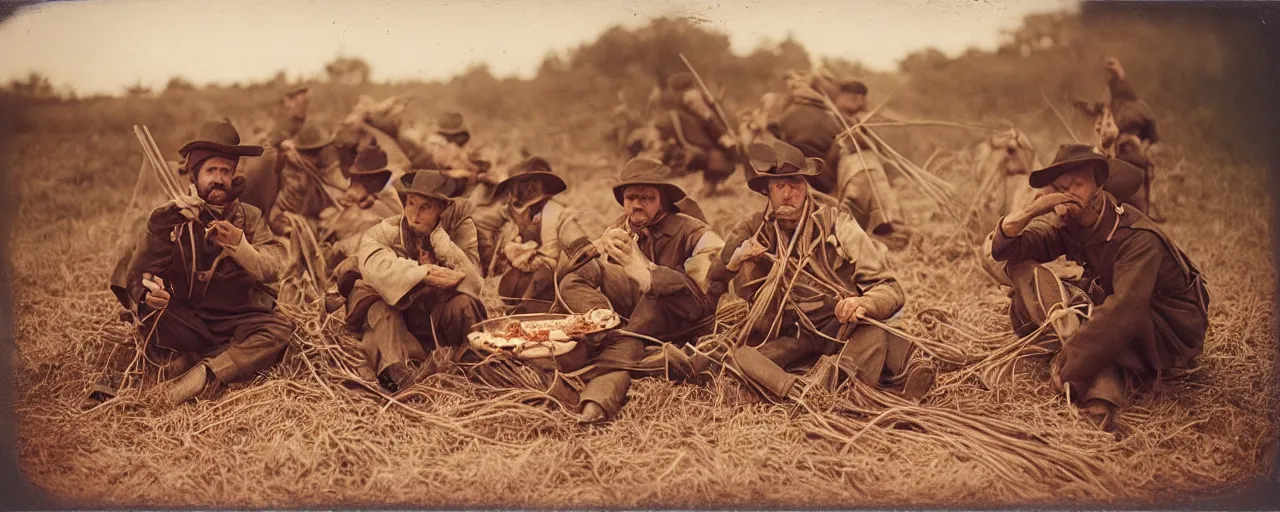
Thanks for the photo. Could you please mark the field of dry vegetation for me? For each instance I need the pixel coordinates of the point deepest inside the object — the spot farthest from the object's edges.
(302, 435)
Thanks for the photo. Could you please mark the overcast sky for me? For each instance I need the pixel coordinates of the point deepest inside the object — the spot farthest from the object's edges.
(105, 45)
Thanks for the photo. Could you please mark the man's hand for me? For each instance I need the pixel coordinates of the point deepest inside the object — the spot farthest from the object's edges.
(443, 277)
(611, 234)
(750, 250)
(176, 211)
(1045, 202)
(626, 254)
(157, 297)
(519, 254)
(225, 233)
(727, 141)
(288, 145)
(850, 309)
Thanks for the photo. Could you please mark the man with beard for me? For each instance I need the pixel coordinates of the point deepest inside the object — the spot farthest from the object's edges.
(417, 289)
(199, 279)
(843, 276)
(539, 231)
(1150, 303)
(650, 266)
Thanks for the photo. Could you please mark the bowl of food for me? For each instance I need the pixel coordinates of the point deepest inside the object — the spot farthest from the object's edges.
(534, 336)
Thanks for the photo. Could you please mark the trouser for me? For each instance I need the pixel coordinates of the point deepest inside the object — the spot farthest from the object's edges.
(409, 332)
(528, 292)
(869, 353)
(864, 189)
(1036, 290)
(676, 318)
(236, 344)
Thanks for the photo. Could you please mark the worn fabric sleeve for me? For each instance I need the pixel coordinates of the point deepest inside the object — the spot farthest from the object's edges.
(272, 254)
(667, 281)
(389, 274)
(453, 256)
(882, 295)
(1122, 317)
(1040, 241)
(571, 235)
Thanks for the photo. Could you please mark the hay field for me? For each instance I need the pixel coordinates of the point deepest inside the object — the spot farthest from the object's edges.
(301, 435)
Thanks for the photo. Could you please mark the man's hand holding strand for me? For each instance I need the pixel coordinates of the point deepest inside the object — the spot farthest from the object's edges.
(749, 251)
(156, 297)
(850, 309)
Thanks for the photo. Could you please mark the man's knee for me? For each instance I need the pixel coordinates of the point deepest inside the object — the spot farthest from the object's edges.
(381, 314)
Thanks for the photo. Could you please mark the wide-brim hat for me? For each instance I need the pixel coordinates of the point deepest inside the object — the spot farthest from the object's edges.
(533, 168)
(312, 135)
(647, 171)
(432, 184)
(219, 136)
(777, 159)
(1070, 157)
(371, 161)
(451, 123)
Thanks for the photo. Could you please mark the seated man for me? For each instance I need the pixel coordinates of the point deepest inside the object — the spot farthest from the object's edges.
(651, 268)
(845, 277)
(862, 185)
(224, 302)
(538, 232)
(367, 200)
(417, 289)
(310, 179)
(1150, 309)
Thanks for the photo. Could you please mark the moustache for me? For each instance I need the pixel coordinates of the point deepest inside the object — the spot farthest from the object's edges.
(787, 210)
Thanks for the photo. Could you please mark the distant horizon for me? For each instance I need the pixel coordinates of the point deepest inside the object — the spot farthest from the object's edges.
(148, 42)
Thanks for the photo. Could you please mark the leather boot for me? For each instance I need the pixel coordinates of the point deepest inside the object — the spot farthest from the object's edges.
(187, 386)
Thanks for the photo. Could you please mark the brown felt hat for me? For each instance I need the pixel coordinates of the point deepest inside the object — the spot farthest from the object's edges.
(647, 171)
(219, 136)
(777, 159)
(430, 184)
(312, 135)
(533, 168)
(451, 123)
(371, 161)
(1122, 179)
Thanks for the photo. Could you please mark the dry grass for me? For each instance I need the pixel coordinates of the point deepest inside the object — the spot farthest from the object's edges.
(304, 434)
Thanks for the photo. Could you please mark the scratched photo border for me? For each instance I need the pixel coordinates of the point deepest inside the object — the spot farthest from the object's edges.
(1254, 18)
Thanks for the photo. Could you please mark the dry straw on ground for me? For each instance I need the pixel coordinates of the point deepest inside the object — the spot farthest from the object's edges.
(310, 432)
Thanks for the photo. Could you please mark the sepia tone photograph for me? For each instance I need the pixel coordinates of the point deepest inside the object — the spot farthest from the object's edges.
(686, 254)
